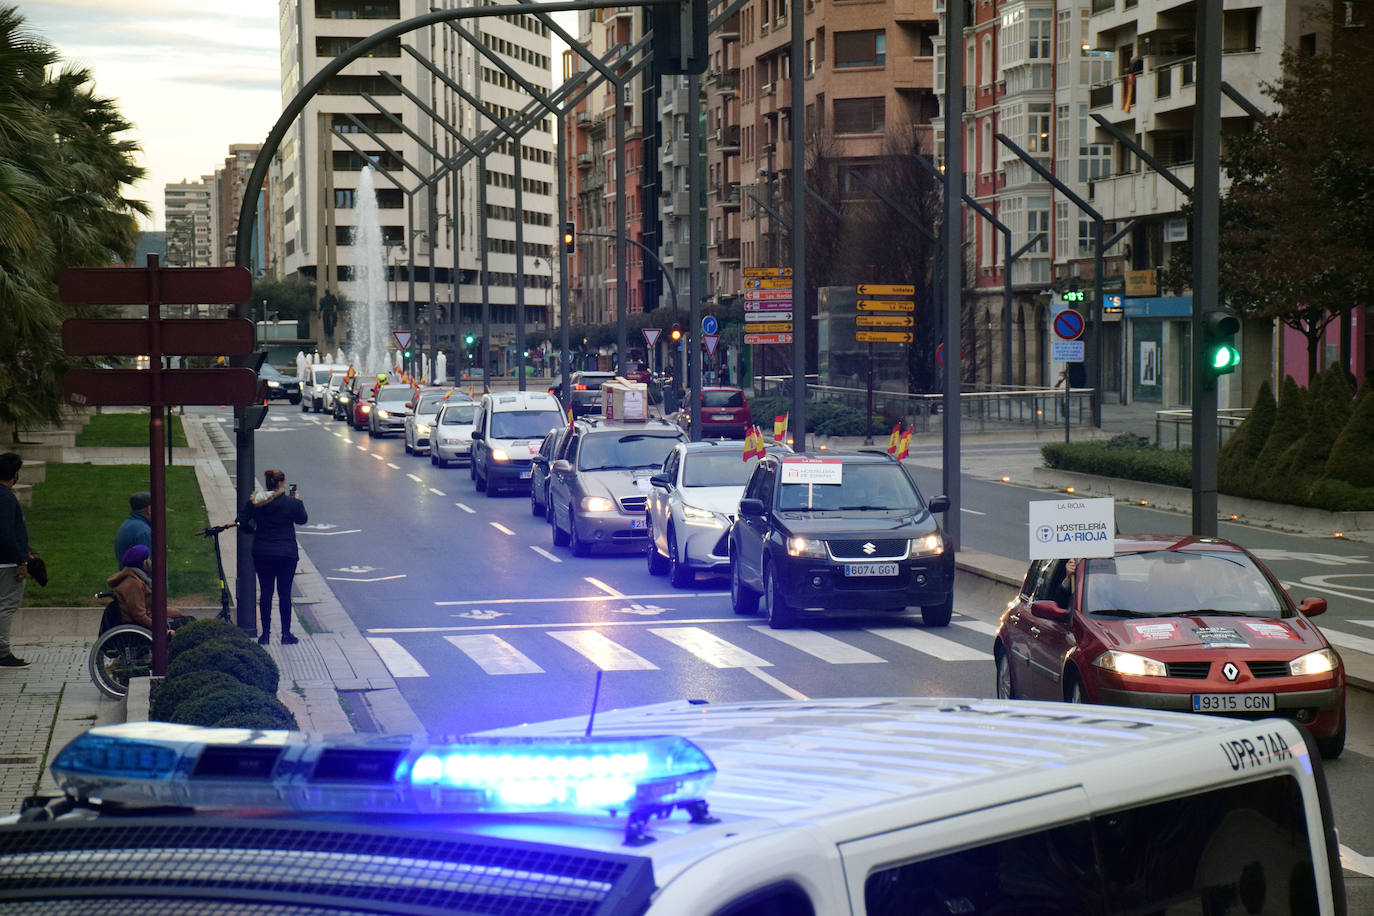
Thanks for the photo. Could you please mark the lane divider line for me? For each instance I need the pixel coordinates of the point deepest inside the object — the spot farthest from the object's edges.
(437, 492)
(468, 509)
(545, 554)
(597, 583)
(415, 478)
(597, 598)
(502, 528)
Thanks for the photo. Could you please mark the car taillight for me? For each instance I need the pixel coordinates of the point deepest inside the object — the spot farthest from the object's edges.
(579, 387)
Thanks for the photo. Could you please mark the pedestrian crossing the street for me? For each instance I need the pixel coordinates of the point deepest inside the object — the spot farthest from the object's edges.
(528, 650)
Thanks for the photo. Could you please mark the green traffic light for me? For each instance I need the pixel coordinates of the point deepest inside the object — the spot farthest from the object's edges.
(468, 340)
(1225, 358)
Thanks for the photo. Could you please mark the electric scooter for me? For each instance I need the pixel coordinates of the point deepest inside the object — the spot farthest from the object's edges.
(224, 598)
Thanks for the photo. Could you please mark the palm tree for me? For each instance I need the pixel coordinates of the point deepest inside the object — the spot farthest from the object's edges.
(63, 169)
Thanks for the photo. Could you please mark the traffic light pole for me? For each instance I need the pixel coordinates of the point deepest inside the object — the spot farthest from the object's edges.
(1206, 218)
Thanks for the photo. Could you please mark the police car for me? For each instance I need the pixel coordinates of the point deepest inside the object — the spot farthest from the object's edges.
(863, 806)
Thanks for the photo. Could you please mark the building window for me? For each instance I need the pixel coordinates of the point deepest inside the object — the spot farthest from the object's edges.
(810, 57)
(860, 49)
(1039, 36)
(343, 198)
(987, 68)
(1038, 220)
(859, 116)
(1038, 127)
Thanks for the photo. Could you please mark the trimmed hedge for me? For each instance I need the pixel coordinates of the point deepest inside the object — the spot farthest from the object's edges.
(235, 703)
(173, 691)
(1236, 465)
(823, 418)
(245, 660)
(1128, 461)
(198, 632)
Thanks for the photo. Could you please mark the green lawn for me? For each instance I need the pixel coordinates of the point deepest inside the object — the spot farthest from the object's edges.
(124, 430)
(72, 525)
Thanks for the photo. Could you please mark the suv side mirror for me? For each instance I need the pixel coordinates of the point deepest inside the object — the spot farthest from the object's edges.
(477, 434)
(751, 507)
(563, 466)
(1049, 610)
(939, 504)
(661, 480)
(1311, 607)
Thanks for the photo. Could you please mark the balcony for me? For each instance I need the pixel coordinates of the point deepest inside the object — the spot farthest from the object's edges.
(584, 118)
(914, 11)
(731, 199)
(1134, 194)
(682, 203)
(584, 160)
(729, 250)
(727, 139)
(910, 73)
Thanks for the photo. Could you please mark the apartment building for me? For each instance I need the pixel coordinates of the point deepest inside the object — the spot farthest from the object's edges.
(429, 204)
(191, 213)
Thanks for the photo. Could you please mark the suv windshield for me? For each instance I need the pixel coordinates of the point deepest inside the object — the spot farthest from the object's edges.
(609, 451)
(430, 403)
(1160, 583)
(864, 486)
(524, 424)
(721, 468)
(458, 415)
(397, 396)
(721, 399)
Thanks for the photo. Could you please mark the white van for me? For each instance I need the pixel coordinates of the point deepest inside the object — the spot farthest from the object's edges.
(506, 433)
(863, 806)
(315, 383)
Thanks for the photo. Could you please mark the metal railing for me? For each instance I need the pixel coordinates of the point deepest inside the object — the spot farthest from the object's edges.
(1228, 419)
(980, 408)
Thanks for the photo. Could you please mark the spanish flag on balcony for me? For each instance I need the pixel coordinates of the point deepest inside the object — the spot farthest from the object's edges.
(1128, 92)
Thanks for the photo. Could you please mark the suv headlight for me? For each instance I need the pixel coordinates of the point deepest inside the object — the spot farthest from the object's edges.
(1128, 663)
(597, 504)
(1319, 662)
(383, 413)
(806, 547)
(695, 515)
(499, 454)
(272, 384)
(928, 546)
(422, 429)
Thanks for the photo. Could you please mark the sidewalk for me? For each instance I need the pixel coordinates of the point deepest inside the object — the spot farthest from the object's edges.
(333, 680)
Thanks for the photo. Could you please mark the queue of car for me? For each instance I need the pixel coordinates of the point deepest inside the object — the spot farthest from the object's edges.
(1168, 623)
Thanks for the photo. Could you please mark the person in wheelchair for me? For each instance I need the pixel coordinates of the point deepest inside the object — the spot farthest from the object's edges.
(133, 590)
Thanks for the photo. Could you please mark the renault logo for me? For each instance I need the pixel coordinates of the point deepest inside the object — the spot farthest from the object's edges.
(1230, 671)
(869, 548)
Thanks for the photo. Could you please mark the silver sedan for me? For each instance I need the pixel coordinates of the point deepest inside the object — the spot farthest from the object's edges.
(692, 502)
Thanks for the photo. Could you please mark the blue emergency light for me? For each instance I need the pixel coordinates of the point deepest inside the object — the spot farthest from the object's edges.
(168, 764)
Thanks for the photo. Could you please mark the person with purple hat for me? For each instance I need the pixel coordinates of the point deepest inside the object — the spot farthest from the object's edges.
(133, 589)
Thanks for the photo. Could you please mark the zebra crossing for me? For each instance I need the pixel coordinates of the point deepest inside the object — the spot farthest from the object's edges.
(529, 650)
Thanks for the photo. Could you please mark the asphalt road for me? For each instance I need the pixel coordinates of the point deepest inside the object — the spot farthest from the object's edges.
(484, 623)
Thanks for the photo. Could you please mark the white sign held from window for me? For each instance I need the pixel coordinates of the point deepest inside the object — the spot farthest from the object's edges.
(1072, 527)
(812, 470)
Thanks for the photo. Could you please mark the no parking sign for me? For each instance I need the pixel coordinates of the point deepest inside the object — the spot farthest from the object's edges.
(1072, 527)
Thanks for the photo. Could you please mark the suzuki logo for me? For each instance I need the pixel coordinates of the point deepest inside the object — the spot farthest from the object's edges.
(1230, 671)
(869, 548)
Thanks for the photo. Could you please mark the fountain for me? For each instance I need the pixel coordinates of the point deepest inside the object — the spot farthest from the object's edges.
(371, 327)
(440, 368)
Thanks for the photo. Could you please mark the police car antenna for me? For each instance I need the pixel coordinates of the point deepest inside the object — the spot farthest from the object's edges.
(596, 696)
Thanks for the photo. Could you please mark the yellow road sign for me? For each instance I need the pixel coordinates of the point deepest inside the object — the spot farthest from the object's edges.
(768, 327)
(886, 305)
(884, 321)
(763, 283)
(768, 271)
(883, 336)
(879, 289)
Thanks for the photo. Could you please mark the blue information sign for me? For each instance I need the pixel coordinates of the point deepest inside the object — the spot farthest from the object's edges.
(709, 325)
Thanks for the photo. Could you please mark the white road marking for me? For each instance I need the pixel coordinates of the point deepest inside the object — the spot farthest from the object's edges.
(340, 436)
(329, 533)
(943, 649)
(378, 457)
(415, 477)
(710, 648)
(362, 448)
(494, 655)
(397, 660)
(826, 648)
(502, 528)
(280, 419)
(1349, 641)
(580, 598)
(394, 467)
(437, 492)
(602, 652)
(478, 614)
(545, 554)
(601, 624)
(1308, 583)
(971, 511)
(377, 579)
(597, 583)
(1355, 862)
(777, 685)
(978, 626)
(468, 509)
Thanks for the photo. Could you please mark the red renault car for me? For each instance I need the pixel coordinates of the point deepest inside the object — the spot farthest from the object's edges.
(1172, 622)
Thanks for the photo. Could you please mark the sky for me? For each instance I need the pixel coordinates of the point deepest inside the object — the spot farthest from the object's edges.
(192, 76)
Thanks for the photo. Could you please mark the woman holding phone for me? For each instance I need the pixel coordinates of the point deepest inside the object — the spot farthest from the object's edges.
(272, 515)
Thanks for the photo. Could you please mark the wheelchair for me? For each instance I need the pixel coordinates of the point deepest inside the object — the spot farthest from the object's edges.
(122, 651)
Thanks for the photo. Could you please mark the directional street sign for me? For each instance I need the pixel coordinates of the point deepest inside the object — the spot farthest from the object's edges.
(883, 336)
(710, 340)
(768, 271)
(885, 305)
(768, 338)
(769, 327)
(750, 318)
(177, 336)
(1068, 325)
(763, 295)
(776, 284)
(884, 321)
(174, 285)
(772, 305)
(880, 289)
(651, 335)
(709, 325)
(129, 387)
(402, 338)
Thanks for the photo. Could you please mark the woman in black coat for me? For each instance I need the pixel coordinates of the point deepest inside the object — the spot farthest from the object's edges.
(273, 515)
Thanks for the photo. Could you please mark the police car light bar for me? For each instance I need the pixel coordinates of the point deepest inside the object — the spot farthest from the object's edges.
(160, 763)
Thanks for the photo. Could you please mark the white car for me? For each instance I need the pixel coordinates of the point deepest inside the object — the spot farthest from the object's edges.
(421, 414)
(692, 503)
(451, 437)
(331, 393)
(315, 384)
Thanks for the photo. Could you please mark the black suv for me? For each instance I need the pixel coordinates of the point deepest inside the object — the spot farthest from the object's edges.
(280, 385)
(845, 531)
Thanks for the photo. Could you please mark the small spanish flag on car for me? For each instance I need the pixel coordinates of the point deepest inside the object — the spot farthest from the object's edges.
(780, 427)
(753, 443)
(895, 440)
(904, 446)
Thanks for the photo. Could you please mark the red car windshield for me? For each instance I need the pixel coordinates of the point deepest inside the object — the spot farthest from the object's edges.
(1165, 583)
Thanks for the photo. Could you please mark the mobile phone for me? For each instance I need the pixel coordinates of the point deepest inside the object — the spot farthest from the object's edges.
(293, 489)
